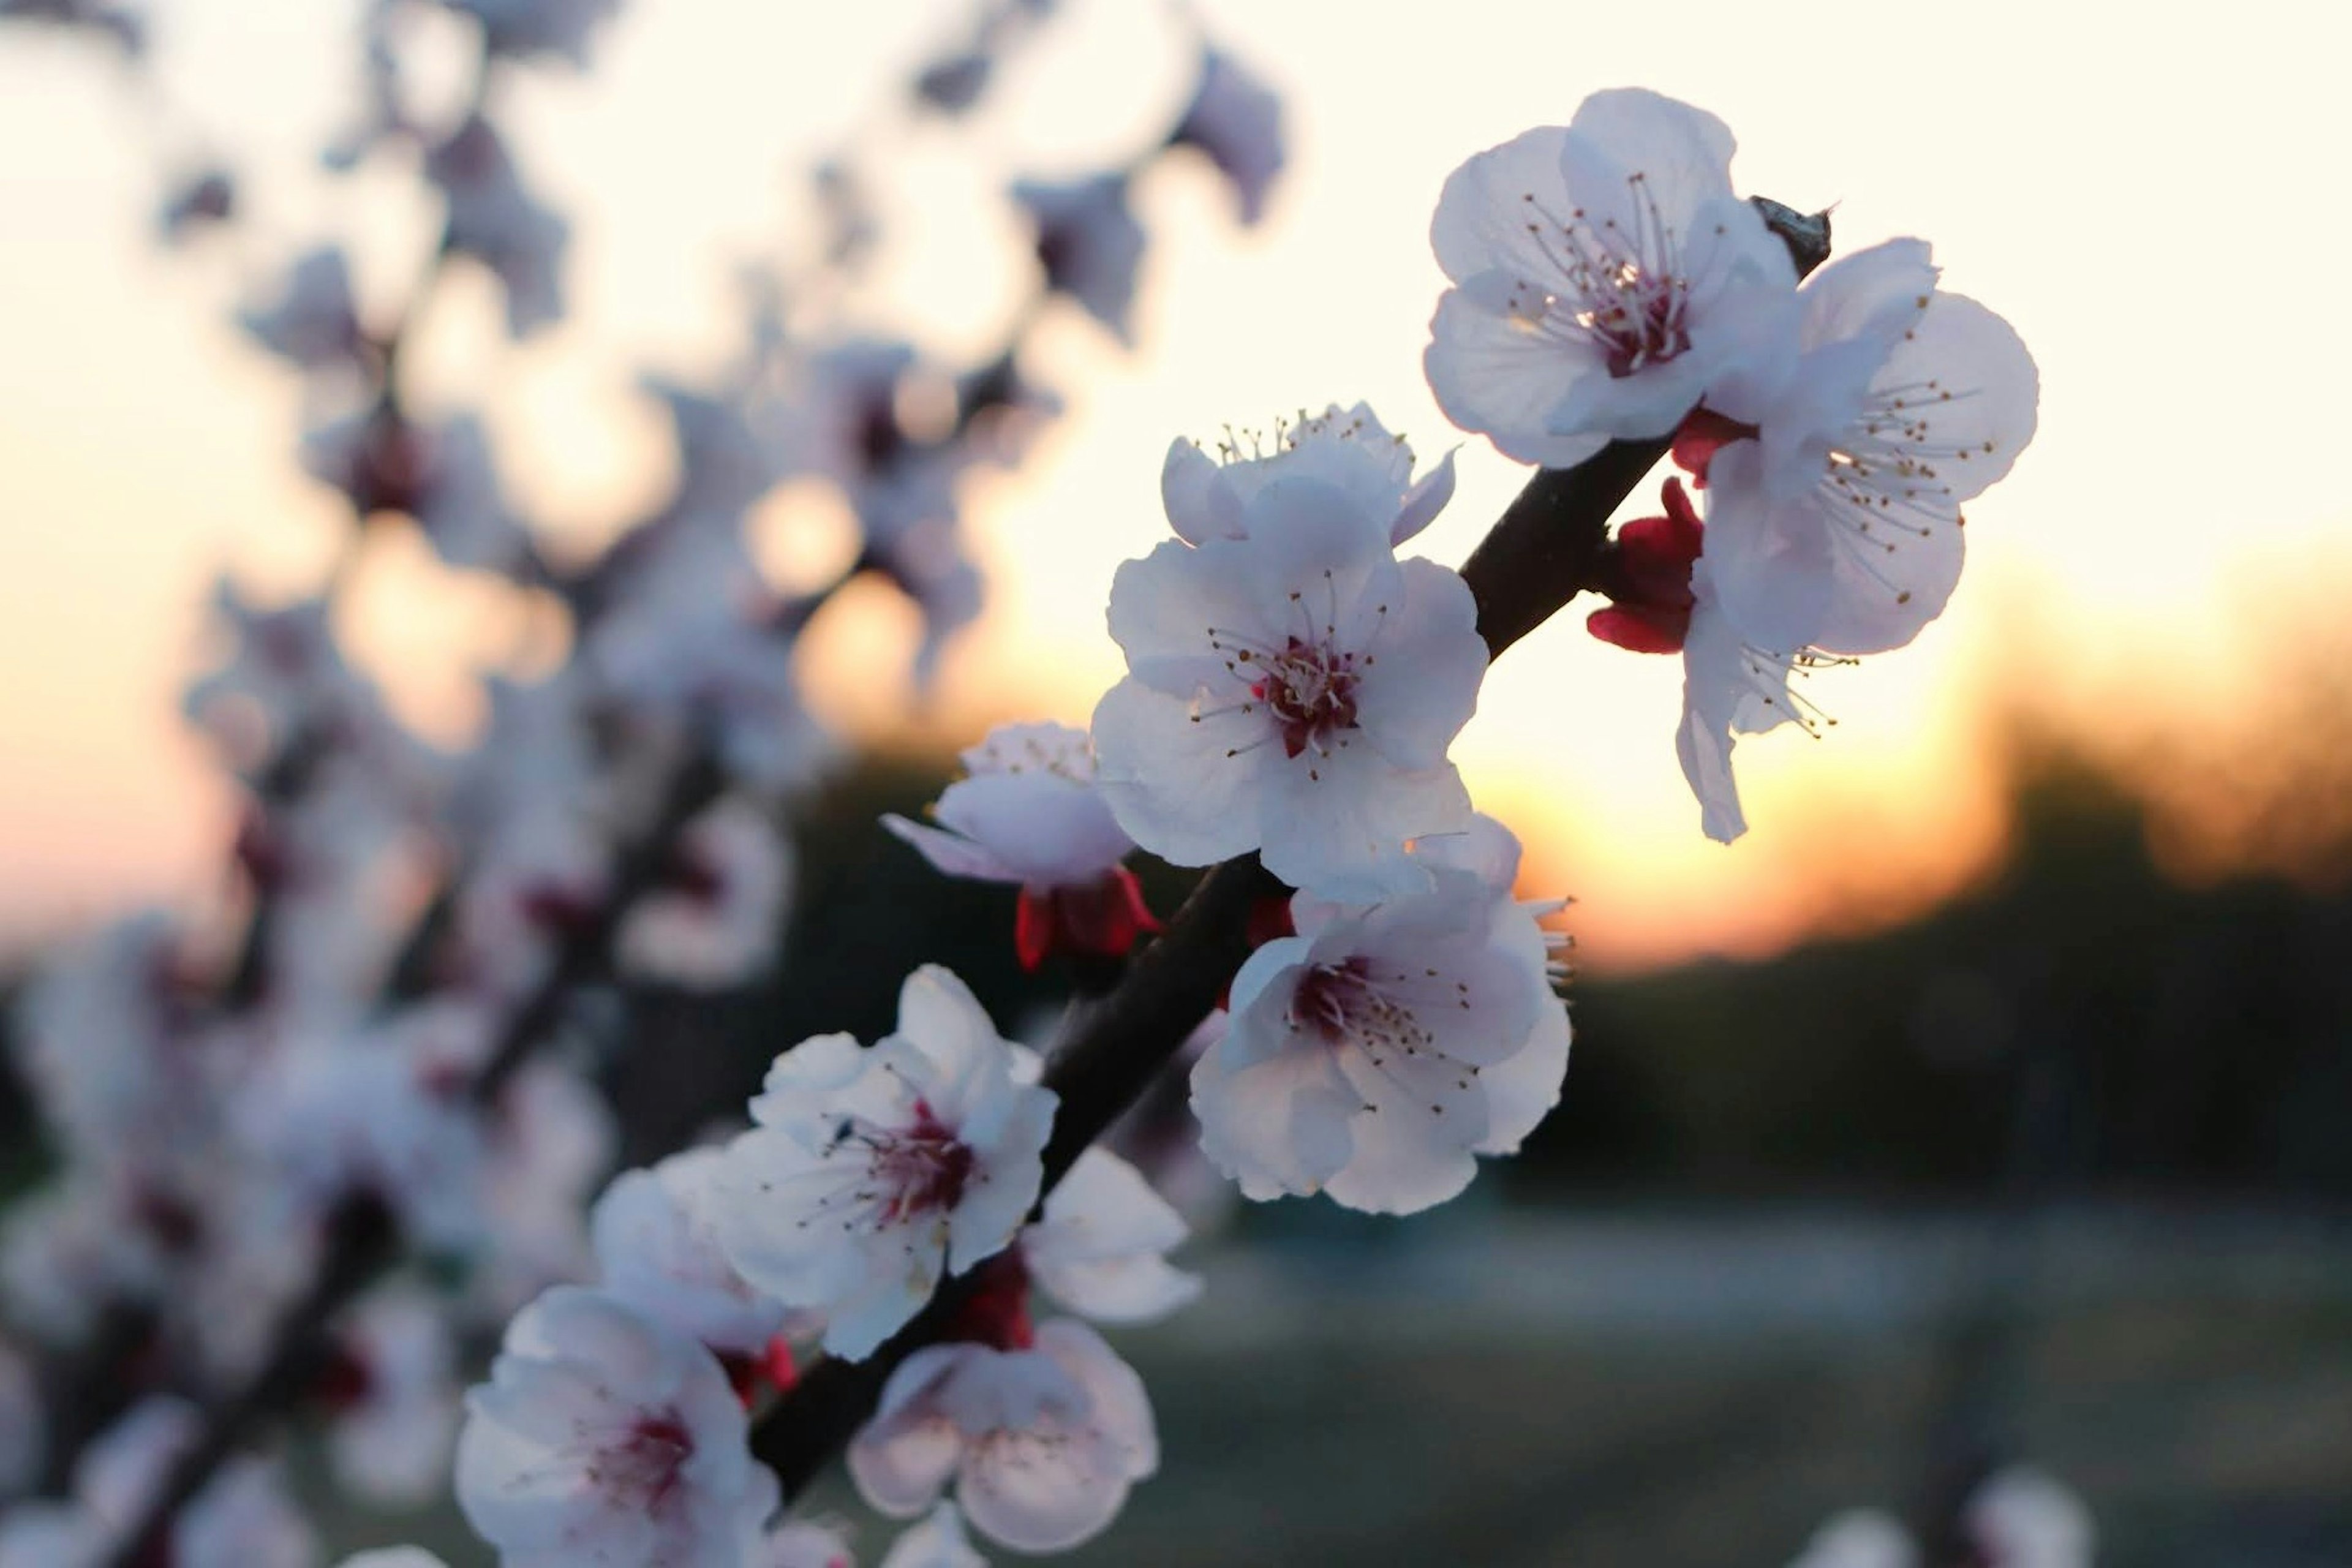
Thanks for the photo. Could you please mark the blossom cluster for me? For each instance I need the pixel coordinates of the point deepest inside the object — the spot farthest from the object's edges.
(371, 1070)
(1609, 285)
(313, 1149)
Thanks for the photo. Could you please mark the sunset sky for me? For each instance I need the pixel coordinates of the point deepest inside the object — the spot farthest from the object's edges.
(2152, 203)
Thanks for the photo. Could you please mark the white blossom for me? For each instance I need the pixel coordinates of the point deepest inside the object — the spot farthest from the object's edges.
(391, 1392)
(1348, 448)
(1041, 1443)
(657, 1246)
(1838, 528)
(939, 1541)
(1377, 1053)
(605, 1438)
(1101, 1248)
(1292, 691)
(872, 1171)
(1729, 689)
(393, 1557)
(1027, 812)
(717, 919)
(1605, 277)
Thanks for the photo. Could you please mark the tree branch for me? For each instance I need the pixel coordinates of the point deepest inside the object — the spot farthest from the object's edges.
(1545, 549)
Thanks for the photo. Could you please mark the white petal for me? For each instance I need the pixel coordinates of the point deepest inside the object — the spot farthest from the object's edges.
(1432, 662)
(1502, 379)
(1200, 506)
(1183, 783)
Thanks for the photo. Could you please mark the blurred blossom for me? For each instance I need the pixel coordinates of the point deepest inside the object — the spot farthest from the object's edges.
(313, 319)
(657, 1246)
(528, 28)
(939, 1541)
(123, 25)
(1089, 244)
(391, 1397)
(1236, 121)
(493, 220)
(716, 917)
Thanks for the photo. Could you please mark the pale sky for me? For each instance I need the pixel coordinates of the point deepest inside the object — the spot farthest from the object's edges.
(2146, 194)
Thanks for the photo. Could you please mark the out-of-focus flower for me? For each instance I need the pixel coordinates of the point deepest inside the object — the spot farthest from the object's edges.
(125, 27)
(604, 1436)
(493, 220)
(1605, 277)
(1088, 244)
(197, 201)
(312, 318)
(2025, 1518)
(872, 1171)
(1292, 691)
(1236, 120)
(1348, 448)
(1859, 1538)
(1027, 813)
(395, 1557)
(716, 917)
(1041, 1443)
(658, 1244)
(389, 1391)
(937, 1542)
(242, 1518)
(799, 1544)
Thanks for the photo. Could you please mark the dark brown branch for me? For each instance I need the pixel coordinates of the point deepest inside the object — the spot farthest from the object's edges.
(1543, 552)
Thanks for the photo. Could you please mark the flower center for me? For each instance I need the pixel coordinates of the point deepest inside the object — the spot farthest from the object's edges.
(1621, 288)
(642, 1469)
(1310, 689)
(922, 1168)
(1345, 1004)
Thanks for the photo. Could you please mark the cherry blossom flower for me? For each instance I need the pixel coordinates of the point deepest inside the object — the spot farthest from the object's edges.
(1236, 122)
(1088, 244)
(1348, 448)
(1377, 1053)
(603, 1436)
(242, 1518)
(383, 1112)
(1838, 528)
(1731, 689)
(658, 1244)
(552, 1142)
(1101, 1248)
(871, 1171)
(1027, 812)
(716, 917)
(1605, 277)
(313, 321)
(937, 1542)
(1293, 692)
(393, 1557)
(1043, 1444)
(390, 1391)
